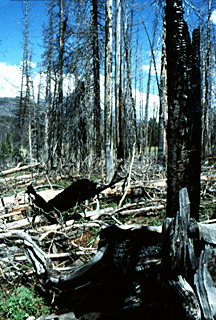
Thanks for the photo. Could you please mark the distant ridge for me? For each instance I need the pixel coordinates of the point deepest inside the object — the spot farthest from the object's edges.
(7, 107)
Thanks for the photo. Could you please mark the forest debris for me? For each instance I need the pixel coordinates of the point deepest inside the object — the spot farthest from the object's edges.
(12, 201)
(20, 178)
(210, 177)
(205, 282)
(31, 247)
(62, 236)
(123, 253)
(142, 210)
(12, 214)
(129, 210)
(22, 223)
(77, 192)
(156, 184)
(129, 177)
(55, 255)
(95, 214)
(49, 194)
(18, 169)
(70, 224)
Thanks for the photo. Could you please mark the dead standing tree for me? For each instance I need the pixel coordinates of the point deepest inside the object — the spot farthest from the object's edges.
(184, 109)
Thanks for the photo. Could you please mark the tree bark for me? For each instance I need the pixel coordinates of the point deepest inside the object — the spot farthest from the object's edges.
(108, 135)
(48, 94)
(118, 90)
(177, 42)
(195, 133)
(206, 108)
(162, 108)
(96, 73)
(60, 83)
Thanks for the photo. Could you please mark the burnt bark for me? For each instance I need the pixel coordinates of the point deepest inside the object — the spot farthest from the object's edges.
(76, 193)
(177, 112)
(96, 73)
(184, 112)
(195, 133)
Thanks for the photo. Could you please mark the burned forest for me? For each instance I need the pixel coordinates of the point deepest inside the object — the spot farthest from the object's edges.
(108, 202)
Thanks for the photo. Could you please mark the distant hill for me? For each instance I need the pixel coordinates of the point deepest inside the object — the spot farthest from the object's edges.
(7, 107)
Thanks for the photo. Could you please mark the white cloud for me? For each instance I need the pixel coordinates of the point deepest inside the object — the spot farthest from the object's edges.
(10, 82)
(10, 79)
(145, 67)
(213, 16)
(68, 84)
(141, 102)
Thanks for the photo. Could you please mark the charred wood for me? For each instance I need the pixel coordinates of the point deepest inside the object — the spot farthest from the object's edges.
(76, 193)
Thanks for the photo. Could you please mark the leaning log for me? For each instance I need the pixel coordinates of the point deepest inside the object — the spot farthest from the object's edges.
(76, 193)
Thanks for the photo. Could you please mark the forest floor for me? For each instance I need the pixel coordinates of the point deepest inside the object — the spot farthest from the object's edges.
(138, 199)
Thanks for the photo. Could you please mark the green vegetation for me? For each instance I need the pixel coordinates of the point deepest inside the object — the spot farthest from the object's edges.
(82, 220)
(112, 204)
(6, 148)
(206, 211)
(95, 231)
(64, 183)
(95, 177)
(21, 304)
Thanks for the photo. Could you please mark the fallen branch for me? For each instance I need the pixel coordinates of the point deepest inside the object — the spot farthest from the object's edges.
(18, 169)
(129, 177)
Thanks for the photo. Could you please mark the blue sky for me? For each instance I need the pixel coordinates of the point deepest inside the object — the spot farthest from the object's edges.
(11, 46)
(12, 39)
(11, 26)
(12, 13)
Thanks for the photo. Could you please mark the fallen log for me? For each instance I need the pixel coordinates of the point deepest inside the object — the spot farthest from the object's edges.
(18, 169)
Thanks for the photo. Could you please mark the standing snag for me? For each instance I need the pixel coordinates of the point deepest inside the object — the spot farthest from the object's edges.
(184, 110)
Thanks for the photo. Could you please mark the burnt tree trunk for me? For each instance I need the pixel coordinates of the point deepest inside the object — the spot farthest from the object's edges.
(183, 129)
(96, 73)
(195, 109)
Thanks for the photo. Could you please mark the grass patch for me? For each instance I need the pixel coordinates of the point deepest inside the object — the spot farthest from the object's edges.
(206, 211)
(22, 303)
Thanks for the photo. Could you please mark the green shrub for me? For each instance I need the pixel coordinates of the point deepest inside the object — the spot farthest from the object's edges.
(22, 303)
(5, 148)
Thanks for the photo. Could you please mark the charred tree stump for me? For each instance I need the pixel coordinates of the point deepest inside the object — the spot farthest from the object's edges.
(178, 252)
(205, 279)
(179, 265)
